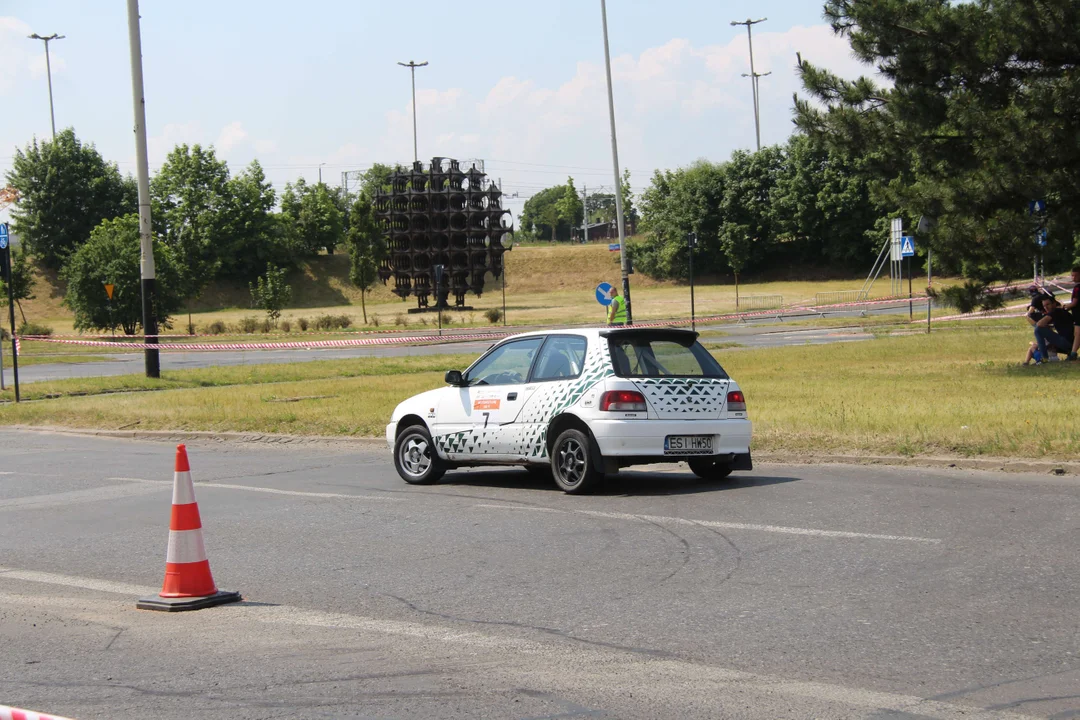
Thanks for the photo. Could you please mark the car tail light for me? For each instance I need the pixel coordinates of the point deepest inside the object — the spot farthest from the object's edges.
(622, 401)
(736, 401)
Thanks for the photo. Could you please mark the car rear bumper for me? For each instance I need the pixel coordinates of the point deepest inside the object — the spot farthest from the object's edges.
(645, 438)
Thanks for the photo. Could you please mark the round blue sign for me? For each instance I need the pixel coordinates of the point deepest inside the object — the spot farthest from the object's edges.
(3, 242)
(604, 293)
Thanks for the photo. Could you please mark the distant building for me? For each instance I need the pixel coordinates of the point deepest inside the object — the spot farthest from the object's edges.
(605, 231)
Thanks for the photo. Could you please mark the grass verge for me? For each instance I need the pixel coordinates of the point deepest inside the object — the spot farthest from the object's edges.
(956, 393)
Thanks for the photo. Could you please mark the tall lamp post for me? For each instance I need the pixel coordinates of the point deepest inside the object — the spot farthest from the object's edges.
(691, 243)
(412, 70)
(753, 75)
(142, 168)
(618, 179)
(48, 72)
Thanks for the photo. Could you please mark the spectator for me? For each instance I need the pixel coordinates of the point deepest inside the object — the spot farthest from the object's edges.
(1055, 330)
(1035, 309)
(1074, 306)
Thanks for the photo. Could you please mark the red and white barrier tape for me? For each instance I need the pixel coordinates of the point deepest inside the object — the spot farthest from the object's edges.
(12, 713)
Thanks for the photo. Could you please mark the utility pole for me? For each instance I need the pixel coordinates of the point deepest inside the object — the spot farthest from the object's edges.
(320, 172)
(412, 70)
(618, 178)
(48, 72)
(753, 75)
(146, 266)
(585, 211)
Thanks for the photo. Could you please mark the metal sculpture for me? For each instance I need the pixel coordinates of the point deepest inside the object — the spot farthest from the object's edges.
(440, 216)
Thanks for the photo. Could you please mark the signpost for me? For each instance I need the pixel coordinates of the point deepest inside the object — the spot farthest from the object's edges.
(907, 249)
(691, 243)
(5, 260)
(604, 293)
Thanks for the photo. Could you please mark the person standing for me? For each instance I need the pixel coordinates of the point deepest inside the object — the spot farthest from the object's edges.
(616, 311)
(1074, 306)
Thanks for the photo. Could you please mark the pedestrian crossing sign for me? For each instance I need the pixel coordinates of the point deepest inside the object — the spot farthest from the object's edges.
(907, 246)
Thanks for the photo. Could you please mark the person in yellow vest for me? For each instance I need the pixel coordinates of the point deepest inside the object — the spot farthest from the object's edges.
(616, 311)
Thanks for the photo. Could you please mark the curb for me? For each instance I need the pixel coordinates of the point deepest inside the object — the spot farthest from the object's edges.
(1011, 465)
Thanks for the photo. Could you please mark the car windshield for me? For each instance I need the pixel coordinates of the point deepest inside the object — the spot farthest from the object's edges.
(656, 357)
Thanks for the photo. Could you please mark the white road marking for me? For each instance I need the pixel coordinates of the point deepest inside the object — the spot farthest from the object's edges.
(271, 491)
(719, 525)
(108, 492)
(652, 669)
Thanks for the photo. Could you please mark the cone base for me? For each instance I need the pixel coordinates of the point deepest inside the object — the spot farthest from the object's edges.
(221, 597)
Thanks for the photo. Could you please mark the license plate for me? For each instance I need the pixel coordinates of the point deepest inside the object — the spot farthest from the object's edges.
(688, 445)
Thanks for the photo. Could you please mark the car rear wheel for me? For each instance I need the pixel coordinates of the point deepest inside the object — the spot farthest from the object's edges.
(571, 463)
(415, 457)
(710, 469)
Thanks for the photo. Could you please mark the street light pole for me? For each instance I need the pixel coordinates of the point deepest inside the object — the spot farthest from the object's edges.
(146, 266)
(753, 75)
(618, 178)
(412, 70)
(48, 72)
(691, 243)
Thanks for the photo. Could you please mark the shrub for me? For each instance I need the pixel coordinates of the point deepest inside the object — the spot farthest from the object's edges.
(374, 320)
(969, 296)
(249, 324)
(303, 323)
(4, 335)
(266, 326)
(493, 315)
(216, 328)
(286, 326)
(447, 319)
(344, 321)
(33, 328)
(400, 319)
(191, 328)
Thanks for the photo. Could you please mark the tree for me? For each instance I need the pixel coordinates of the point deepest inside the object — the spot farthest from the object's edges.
(65, 190)
(978, 116)
(312, 216)
(22, 281)
(270, 292)
(366, 245)
(111, 256)
(252, 236)
(541, 215)
(192, 206)
(569, 207)
(630, 213)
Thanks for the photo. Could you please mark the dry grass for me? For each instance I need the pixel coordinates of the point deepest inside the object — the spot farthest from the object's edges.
(952, 393)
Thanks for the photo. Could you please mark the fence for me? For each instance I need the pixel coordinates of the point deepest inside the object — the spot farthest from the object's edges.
(837, 296)
(761, 302)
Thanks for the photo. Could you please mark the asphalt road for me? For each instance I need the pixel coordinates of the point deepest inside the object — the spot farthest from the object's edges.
(789, 592)
(759, 334)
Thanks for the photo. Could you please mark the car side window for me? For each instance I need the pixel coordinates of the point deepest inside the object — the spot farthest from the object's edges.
(562, 358)
(507, 364)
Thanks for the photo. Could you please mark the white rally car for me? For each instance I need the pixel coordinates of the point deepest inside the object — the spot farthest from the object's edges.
(582, 403)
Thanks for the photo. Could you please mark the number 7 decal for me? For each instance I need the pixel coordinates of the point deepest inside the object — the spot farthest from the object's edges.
(487, 416)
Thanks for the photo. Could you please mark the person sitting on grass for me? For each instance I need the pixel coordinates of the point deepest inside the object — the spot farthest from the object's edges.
(1035, 311)
(1055, 332)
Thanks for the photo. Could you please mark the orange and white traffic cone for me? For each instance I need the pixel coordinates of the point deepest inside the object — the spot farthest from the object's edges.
(188, 583)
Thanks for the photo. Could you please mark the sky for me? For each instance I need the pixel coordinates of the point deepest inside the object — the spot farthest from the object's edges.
(520, 85)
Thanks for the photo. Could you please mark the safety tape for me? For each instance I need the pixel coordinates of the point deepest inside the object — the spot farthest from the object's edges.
(309, 345)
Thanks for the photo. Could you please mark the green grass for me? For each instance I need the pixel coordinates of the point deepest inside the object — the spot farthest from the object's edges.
(949, 393)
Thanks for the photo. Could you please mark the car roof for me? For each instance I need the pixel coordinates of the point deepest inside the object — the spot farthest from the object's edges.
(597, 332)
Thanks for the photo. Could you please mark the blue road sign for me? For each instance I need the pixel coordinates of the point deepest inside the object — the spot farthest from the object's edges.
(1036, 206)
(1040, 237)
(604, 293)
(3, 236)
(613, 247)
(907, 246)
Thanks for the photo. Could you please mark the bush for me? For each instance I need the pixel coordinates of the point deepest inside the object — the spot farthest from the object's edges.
(969, 296)
(216, 328)
(374, 320)
(447, 319)
(493, 315)
(400, 319)
(303, 323)
(249, 324)
(266, 326)
(286, 326)
(4, 335)
(191, 328)
(344, 321)
(33, 328)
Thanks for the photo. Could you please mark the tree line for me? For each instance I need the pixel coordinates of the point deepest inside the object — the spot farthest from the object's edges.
(78, 215)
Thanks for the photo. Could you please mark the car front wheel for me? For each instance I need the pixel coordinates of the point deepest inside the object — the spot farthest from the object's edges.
(710, 469)
(415, 457)
(571, 463)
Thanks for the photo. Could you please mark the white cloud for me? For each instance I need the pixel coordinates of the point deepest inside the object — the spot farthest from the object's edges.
(231, 135)
(173, 134)
(17, 51)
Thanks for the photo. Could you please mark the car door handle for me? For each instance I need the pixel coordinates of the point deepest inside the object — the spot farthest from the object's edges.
(511, 396)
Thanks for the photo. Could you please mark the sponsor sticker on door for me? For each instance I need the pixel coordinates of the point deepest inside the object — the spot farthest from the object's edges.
(486, 404)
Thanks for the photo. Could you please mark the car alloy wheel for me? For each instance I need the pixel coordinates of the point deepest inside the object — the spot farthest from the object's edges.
(571, 464)
(415, 457)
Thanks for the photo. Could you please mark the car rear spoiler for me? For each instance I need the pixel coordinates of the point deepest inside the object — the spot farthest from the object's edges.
(678, 335)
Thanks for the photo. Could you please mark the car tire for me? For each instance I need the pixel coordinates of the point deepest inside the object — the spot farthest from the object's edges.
(709, 469)
(415, 458)
(572, 463)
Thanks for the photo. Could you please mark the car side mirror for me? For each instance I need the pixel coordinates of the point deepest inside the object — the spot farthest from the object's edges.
(453, 377)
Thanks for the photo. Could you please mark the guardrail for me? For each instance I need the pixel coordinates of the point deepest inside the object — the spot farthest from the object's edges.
(761, 302)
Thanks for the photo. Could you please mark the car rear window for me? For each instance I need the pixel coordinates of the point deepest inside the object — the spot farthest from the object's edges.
(642, 356)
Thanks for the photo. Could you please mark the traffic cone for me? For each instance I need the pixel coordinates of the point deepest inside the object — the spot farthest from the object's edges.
(188, 583)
